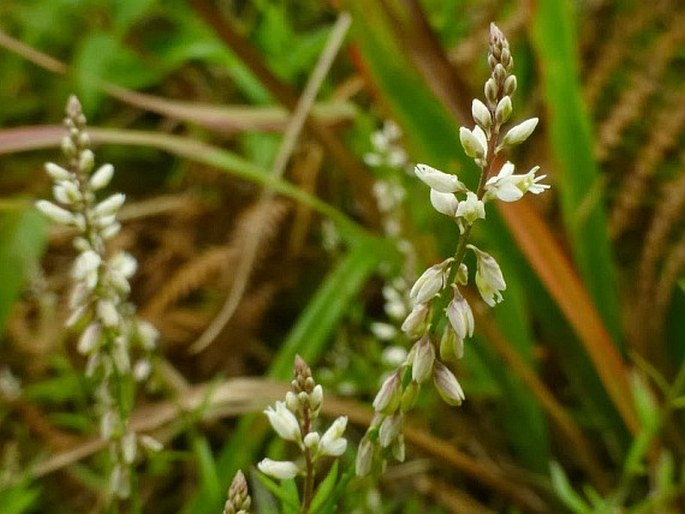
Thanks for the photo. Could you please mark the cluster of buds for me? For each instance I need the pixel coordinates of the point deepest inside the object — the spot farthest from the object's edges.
(293, 420)
(109, 332)
(441, 318)
(239, 500)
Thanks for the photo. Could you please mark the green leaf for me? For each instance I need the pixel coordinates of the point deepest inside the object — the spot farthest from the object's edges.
(23, 235)
(564, 490)
(210, 485)
(19, 498)
(286, 491)
(576, 172)
(325, 489)
(103, 57)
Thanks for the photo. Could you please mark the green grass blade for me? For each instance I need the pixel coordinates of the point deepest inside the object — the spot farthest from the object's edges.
(23, 236)
(572, 144)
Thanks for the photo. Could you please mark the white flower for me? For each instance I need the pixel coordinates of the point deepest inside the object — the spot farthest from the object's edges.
(474, 142)
(430, 282)
(445, 203)
(489, 279)
(282, 470)
(332, 442)
(438, 180)
(508, 187)
(284, 422)
(471, 209)
(504, 185)
(518, 133)
(460, 315)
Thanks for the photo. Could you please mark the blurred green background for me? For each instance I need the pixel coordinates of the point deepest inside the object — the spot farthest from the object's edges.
(574, 383)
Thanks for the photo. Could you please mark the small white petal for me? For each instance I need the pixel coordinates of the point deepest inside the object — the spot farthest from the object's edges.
(444, 203)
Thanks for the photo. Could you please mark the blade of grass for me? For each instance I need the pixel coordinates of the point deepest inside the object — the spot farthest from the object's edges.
(34, 138)
(572, 144)
(23, 236)
(561, 281)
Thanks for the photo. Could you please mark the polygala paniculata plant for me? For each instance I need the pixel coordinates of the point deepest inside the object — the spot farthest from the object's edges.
(116, 344)
(441, 318)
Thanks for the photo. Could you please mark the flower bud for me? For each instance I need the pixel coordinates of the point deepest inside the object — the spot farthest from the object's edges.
(101, 177)
(332, 442)
(481, 114)
(56, 172)
(460, 315)
(388, 398)
(519, 133)
(416, 322)
(510, 85)
(411, 392)
(90, 338)
(110, 205)
(503, 111)
(471, 209)
(281, 470)
(430, 282)
(390, 429)
(86, 161)
(364, 457)
(438, 180)
(491, 90)
(447, 385)
(311, 441)
(474, 145)
(489, 279)
(451, 346)
(284, 422)
(422, 364)
(55, 213)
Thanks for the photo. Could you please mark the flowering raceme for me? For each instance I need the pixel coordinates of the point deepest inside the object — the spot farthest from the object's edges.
(438, 318)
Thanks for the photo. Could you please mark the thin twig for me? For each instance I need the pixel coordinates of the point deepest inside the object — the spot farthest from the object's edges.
(292, 133)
